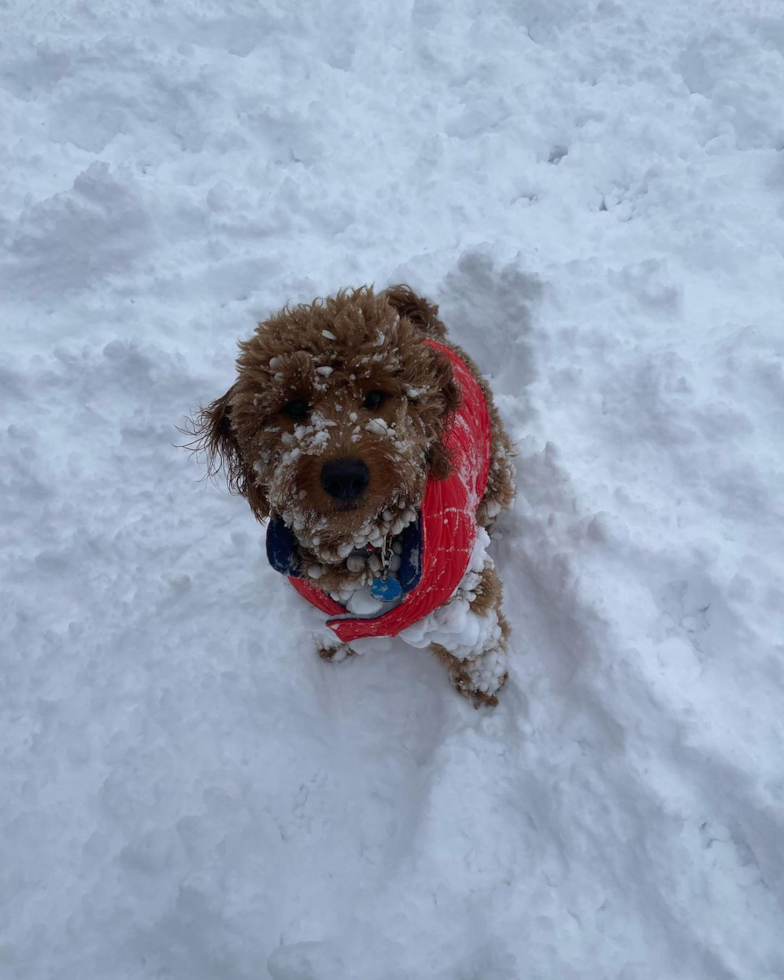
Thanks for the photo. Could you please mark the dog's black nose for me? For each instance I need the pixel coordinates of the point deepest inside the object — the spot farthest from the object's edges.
(345, 479)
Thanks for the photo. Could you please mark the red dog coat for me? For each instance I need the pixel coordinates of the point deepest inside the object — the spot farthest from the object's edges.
(447, 524)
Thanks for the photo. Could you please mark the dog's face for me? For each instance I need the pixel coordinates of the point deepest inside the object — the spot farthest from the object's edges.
(337, 417)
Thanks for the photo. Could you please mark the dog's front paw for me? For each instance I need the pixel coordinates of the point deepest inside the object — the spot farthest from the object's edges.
(334, 653)
(481, 679)
(465, 684)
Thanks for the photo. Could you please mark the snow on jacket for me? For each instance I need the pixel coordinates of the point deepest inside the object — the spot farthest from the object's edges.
(437, 549)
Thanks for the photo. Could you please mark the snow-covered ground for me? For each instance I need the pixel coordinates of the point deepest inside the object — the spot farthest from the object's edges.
(594, 192)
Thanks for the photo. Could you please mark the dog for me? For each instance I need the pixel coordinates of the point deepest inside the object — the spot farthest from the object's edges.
(373, 447)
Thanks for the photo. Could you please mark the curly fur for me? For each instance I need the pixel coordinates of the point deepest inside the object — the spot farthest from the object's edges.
(324, 360)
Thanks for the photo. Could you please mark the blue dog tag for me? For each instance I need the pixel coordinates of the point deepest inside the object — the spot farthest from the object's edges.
(387, 590)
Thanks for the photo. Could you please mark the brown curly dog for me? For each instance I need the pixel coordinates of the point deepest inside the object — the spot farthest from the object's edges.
(336, 423)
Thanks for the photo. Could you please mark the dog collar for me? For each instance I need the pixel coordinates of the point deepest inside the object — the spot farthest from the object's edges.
(283, 552)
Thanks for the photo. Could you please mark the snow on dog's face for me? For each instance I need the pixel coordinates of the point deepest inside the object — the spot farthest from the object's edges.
(337, 417)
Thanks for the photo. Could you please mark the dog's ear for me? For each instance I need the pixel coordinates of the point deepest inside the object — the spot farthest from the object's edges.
(215, 435)
(216, 438)
(424, 315)
(450, 397)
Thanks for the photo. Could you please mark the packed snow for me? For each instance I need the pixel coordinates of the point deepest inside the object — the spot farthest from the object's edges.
(594, 193)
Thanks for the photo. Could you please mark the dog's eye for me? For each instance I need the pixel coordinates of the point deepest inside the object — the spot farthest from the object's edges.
(375, 399)
(297, 409)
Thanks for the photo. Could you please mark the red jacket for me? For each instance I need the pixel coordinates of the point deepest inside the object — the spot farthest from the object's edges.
(447, 523)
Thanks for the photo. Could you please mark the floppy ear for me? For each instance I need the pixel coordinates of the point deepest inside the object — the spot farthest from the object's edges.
(215, 432)
(424, 315)
(215, 437)
(450, 397)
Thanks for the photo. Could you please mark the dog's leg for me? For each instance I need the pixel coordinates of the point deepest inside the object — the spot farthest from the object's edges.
(480, 671)
(333, 652)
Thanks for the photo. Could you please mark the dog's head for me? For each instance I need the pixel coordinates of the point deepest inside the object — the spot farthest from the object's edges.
(337, 416)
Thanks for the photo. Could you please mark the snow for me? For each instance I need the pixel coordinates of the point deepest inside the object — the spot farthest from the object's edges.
(594, 193)
(362, 603)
